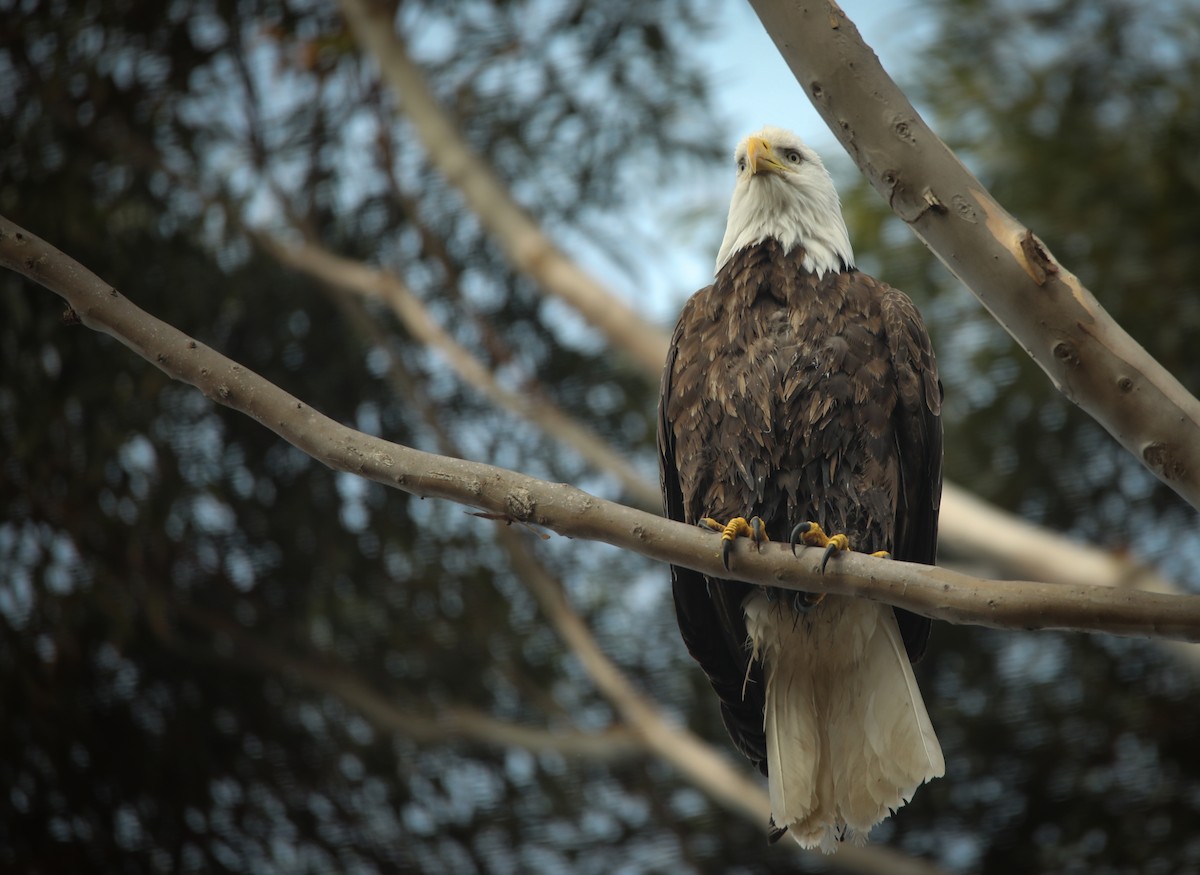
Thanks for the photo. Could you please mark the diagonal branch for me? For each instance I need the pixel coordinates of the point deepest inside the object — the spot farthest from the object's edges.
(527, 247)
(1089, 358)
(385, 286)
(969, 525)
(676, 744)
(451, 723)
(934, 592)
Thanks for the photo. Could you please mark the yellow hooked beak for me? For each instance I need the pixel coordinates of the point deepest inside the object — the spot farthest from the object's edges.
(761, 157)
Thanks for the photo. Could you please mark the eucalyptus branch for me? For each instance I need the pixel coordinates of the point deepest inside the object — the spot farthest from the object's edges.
(934, 592)
(695, 759)
(453, 723)
(969, 525)
(387, 287)
(1089, 358)
(526, 245)
(980, 530)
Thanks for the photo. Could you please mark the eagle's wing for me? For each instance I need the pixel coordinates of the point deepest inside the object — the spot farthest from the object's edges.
(918, 429)
(710, 613)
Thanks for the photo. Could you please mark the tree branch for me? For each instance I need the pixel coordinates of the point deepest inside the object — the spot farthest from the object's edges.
(969, 525)
(448, 724)
(529, 250)
(385, 286)
(934, 592)
(980, 530)
(1089, 358)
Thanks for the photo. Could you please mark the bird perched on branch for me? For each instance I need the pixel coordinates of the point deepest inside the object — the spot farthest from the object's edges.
(800, 401)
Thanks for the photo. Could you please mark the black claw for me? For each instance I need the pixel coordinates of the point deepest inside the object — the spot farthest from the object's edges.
(726, 546)
(756, 528)
(829, 551)
(798, 530)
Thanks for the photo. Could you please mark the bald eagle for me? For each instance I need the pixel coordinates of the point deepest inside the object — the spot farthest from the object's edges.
(801, 395)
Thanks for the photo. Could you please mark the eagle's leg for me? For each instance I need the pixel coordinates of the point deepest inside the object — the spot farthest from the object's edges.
(754, 529)
(812, 535)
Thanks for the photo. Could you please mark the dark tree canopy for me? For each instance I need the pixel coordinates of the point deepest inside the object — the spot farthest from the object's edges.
(189, 609)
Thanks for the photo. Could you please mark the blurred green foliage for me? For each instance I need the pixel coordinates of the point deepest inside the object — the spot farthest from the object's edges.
(1083, 120)
(183, 597)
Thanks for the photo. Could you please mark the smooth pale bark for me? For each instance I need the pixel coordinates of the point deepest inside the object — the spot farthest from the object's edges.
(382, 285)
(1090, 359)
(969, 525)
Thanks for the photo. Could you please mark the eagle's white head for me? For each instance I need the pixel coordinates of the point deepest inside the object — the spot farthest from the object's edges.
(784, 191)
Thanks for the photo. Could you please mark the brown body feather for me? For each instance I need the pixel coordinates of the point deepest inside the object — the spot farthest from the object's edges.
(795, 397)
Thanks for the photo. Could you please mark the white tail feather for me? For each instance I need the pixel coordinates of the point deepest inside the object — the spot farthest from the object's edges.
(848, 737)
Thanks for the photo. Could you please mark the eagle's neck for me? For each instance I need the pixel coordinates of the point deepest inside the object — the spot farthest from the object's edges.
(768, 208)
(768, 268)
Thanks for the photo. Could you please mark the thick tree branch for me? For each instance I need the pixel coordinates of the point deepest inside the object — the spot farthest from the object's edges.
(529, 250)
(935, 592)
(385, 286)
(969, 525)
(982, 531)
(1058, 322)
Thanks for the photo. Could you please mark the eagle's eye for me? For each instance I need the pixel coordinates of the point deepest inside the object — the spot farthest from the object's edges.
(741, 164)
(793, 156)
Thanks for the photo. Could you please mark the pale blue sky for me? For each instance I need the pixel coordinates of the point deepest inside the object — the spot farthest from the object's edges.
(771, 95)
(675, 240)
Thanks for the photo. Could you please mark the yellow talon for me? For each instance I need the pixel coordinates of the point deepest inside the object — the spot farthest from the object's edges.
(738, 527)
(812, 535)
